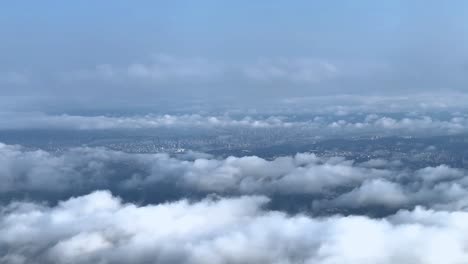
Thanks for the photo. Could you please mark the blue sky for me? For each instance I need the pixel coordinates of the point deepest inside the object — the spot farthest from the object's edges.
(213, 49)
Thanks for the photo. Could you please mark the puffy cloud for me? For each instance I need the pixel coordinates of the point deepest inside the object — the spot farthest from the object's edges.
(320, 125)
(375, 192)
(100, 228)
(23, 169)
(355, 103)
(438, 187)
(40, 120)
(322, 185)
(405, 126)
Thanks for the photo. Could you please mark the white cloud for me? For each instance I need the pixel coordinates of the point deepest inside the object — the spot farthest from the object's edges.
(425, 102)
(321, 182)
(64, 121)
(304, 173)
(376, 192)
(99, 228)
(320, 125)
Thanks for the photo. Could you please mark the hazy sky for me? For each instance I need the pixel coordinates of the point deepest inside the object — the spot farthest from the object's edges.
(113, 52)
(121, 96)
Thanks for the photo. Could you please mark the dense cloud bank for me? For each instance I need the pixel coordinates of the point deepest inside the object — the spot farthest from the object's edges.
(39, 120)
(339, 124)
(99, 228)
(233, 218)
(316, 183)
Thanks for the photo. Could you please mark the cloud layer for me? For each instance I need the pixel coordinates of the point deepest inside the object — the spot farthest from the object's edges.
(340, 124)
(100, 228)
(40, 120)
(323, 185)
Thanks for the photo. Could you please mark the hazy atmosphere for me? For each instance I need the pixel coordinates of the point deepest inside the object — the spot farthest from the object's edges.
(198, 132)
(87, 54)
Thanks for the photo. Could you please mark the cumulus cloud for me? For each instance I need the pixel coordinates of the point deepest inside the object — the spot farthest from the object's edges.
(90, 167)
(438, 187)
(416, 126)
(40, 120)
(353, 103)
(322, 185)
(100, 228)
(338, 125)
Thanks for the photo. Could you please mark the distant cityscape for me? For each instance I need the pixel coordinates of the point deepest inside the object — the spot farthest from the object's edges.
(266, 143)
